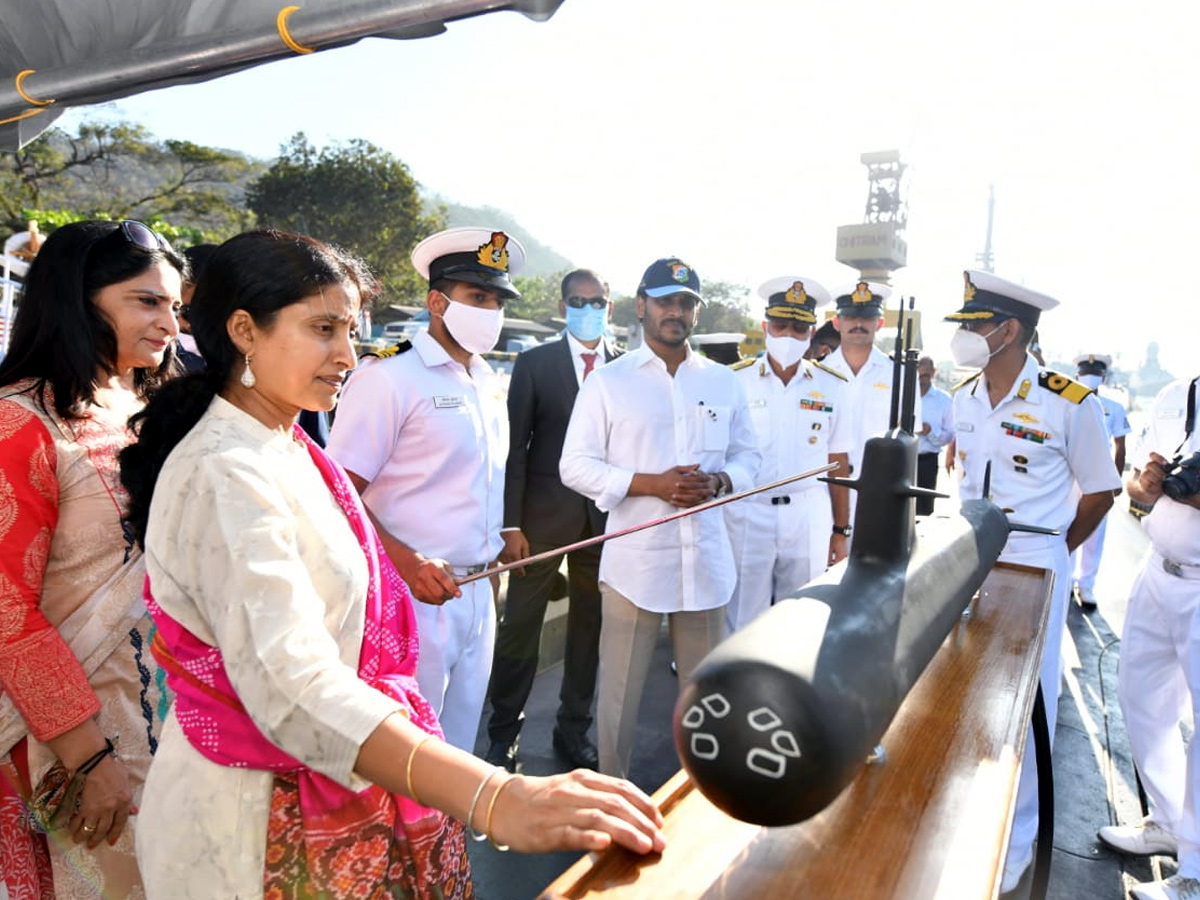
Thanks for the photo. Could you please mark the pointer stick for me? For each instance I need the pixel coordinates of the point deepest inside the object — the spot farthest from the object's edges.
(683, 513)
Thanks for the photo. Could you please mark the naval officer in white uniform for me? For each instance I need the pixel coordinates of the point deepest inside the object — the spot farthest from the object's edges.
(783, 539)
(1043, 434)
(423, 434)
(868, 369)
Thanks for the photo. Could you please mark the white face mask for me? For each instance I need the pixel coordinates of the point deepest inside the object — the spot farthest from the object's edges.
(787, 351)
(476, 329)
(970, 350)
(1092, 381)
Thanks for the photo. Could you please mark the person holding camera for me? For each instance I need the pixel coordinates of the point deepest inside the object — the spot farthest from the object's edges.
(1159, 681)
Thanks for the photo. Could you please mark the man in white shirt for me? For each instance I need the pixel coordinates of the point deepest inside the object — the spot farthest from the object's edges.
(1043, 436)
(540, 514)
(657, 430)
(1159, 680)
(785, 538)
(868, 369)
(1091, 370)
(423, 436)
(937, 430)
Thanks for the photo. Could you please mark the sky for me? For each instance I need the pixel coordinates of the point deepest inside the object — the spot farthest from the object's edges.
(729, 134)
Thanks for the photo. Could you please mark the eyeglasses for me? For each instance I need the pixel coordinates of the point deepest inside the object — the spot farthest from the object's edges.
(185, 312)
(143, 237)
(593, 302)
(683, 301)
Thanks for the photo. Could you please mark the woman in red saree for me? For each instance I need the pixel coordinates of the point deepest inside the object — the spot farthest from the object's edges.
(298, 746)
(92, 339)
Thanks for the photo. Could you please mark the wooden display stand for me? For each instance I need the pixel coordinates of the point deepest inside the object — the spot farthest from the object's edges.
(930, 821)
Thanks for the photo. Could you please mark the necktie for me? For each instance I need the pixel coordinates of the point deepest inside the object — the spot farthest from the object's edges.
(589, 363)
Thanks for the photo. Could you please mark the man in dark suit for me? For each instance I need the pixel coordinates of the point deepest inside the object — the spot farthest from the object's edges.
(541, 514)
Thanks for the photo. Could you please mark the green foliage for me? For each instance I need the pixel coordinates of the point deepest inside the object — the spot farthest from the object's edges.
(180, 236)
(726, 308)
(355, 195)
(540, 295)
(118, 171)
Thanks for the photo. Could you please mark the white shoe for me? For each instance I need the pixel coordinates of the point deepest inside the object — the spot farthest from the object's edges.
(1147, 839)
(1087, 599)
(1174, 888)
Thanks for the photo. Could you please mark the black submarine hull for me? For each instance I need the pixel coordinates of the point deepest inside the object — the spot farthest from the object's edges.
(776, 721)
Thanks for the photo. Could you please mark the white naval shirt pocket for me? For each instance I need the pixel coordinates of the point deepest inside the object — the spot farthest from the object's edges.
(713, 427)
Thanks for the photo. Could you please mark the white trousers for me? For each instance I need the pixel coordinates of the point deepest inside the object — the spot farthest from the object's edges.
(457, 640)
(1085, 561)
(1159, 687)
(1046, 552)
(777, 549)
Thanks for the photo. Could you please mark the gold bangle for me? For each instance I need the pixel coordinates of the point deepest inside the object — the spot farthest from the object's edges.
(479, 835)
(408, 782)
(492, 808)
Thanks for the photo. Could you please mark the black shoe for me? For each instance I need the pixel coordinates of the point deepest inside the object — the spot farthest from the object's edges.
(577, 750)
(502, 754)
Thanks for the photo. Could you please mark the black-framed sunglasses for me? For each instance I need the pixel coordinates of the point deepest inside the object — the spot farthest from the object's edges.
(142, 237)
(593, 302)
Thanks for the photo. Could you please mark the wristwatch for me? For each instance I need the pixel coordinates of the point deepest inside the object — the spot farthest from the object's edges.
(724, 485)
(843, 530)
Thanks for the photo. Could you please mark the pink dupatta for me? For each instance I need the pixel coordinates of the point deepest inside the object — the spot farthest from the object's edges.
(333, 817)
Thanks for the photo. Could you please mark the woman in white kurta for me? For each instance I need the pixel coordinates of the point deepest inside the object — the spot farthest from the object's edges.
(265, 578)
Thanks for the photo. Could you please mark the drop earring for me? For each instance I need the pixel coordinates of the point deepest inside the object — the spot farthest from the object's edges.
(248, 380)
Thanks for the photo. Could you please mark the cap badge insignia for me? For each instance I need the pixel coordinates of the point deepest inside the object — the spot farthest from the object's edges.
(796, 293)
(680, 272)
(862, 293)
(969, 291)
(494, 254)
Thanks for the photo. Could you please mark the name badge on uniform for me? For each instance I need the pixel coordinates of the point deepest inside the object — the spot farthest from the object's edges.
(442, 401)
(964, 426)
(758, 403)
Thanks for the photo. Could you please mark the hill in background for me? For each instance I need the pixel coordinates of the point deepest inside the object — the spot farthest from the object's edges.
(540, 259)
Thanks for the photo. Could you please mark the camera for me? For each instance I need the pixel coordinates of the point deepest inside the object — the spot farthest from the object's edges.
(1183, 477)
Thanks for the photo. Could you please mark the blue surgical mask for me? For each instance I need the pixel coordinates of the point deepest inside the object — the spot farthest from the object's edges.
(586, 324)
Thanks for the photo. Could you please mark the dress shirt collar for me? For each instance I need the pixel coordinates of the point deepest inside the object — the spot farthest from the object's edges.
(1028, 375)
(578, 349)
(644, 354)
(434, 354)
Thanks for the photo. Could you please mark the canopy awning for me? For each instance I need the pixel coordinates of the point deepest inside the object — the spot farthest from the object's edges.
(57, 54)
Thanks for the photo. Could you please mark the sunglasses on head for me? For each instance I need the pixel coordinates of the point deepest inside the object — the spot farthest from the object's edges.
(142, 237)
(593, 302)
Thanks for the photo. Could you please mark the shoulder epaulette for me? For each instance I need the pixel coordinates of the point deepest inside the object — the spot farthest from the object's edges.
(394, 350)
(966, 381)
(742, 364)
(1067, 388)
(824, 368)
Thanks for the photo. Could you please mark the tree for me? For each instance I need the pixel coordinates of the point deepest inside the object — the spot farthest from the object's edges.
(726, 308)
(118, 171)
(355, 195)
(540, 296)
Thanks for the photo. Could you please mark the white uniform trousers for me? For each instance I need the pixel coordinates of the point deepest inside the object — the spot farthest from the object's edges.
(1085, 560)
(777, 549)
(627, 638)
(1159, 687)
(1045, 552)
(457, 640)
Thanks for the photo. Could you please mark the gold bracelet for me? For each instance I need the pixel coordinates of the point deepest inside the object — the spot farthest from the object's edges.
(408, 783)
(492, 808)
(479, 835)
